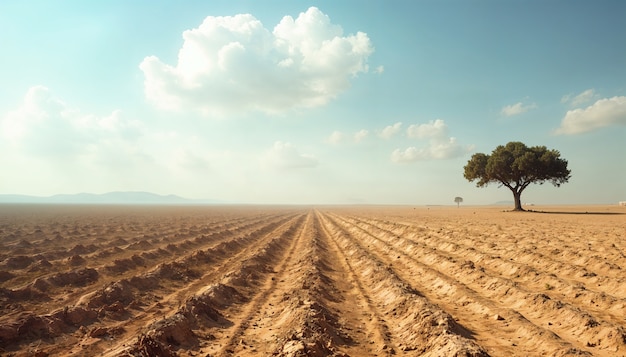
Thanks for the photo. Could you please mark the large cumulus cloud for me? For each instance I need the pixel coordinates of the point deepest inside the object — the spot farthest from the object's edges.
(233, 64)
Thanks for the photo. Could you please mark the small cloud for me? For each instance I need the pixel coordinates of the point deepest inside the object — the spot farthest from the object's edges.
(440, 145)
(335, 138)
(437, 150)
(409, 154)
(379, 70)
(582, 98)
(285, 156)
(604, 112)
(360, 135)
(433, 129)
(517, 108)
(390, 130)
(448, 149)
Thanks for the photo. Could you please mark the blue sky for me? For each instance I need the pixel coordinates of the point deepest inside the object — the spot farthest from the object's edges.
(379, 102)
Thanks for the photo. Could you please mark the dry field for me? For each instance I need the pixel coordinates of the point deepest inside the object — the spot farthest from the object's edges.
(312, 281)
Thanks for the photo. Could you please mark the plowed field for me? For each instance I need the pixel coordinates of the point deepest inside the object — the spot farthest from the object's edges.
(312, 281)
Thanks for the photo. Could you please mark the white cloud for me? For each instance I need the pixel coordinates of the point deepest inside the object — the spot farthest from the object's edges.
(433, 129)
(55, 148)
(360, 135)
(409, 154)
(579, 99)
(285, 156)
(517, 108)
(604, 112)
(233, 64)
(38, 108)
(440, 145)
(447, 149)
(390, 130)
(379, 69)
(335, 138)
(45, 126)
(437, 150)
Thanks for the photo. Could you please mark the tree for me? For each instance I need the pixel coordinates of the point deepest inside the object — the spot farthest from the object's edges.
(516, 166)
(458, 201)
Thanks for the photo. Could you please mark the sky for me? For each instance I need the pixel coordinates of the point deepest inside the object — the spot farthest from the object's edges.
(309, 102)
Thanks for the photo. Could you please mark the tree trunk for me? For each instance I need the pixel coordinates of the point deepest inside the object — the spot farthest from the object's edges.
(518, 201)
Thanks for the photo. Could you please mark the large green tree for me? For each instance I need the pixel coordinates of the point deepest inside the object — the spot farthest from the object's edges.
(516, 166)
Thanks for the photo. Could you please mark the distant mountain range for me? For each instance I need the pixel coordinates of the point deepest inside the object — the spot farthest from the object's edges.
(132, 197)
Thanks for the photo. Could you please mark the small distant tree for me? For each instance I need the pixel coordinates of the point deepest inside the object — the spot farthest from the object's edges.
(458, 201)
(516, 166)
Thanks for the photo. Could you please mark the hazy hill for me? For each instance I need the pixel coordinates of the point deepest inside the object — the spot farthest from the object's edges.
(133, 197)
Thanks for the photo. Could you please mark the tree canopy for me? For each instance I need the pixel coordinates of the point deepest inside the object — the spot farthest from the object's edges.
(516, 166)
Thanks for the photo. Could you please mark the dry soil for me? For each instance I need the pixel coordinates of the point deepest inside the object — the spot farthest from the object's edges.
(312, 281)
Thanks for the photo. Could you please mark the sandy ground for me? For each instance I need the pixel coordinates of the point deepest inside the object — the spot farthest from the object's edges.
(312, 281)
